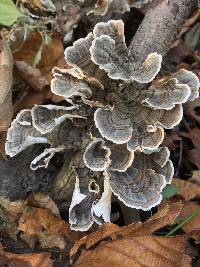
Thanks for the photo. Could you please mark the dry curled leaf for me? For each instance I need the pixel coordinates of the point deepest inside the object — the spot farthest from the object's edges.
(110, 232)
(195, 177)
(187, 189)
(41, 225)
(154, 251)
(194, 223)
(38, 199)
(26, 260)
(6, 70)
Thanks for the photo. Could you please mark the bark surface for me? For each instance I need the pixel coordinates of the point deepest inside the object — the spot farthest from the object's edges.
(160, 26)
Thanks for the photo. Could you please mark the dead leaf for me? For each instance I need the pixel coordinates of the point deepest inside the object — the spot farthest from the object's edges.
(194, 223)
(6, 77)
(195, 234)
(30, 99)
(195, 179)
(32, 76)
(52, 54)
(40, 200)
(41, 225)
(25, 260)
(111, 232)
(29, 49)
(138, 251)
(191, 109)
(187, 189)
(10, 211)
(171, 139)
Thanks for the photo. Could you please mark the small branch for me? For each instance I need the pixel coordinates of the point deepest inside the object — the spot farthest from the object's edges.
(161, 25)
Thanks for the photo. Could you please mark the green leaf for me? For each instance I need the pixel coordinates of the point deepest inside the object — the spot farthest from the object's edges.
(169, 191)
(9, 13)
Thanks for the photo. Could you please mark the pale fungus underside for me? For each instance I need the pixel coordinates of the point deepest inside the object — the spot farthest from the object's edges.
(114, 126)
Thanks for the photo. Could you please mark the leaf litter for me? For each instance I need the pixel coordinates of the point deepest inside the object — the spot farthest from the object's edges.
(40, 221)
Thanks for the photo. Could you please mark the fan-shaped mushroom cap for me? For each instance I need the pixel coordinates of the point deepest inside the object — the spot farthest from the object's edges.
(149, 138)
(42, 160)
(141, 185)
(109, 51)
(22, 134)
(114, 29)
(113, 125)
(189, 78)
(171, 118)
(117, 6)
(138, 3)
(97, 155)
(166, 93)
(103, 206)
(78, 56)
(101, 7)
(121, 158)
(47, 117)
(64, 84)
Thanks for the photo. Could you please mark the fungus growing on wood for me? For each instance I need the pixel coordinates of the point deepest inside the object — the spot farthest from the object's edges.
(113, 118)
(117, 6)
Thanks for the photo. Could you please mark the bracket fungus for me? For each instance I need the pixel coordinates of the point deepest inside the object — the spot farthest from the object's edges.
(114, 122)
(117, 6)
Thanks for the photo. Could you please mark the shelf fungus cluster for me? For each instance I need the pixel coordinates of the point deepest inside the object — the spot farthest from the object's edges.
(117, 6)
(114, 119)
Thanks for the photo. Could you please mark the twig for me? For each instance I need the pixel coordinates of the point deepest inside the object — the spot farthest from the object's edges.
(160, 26)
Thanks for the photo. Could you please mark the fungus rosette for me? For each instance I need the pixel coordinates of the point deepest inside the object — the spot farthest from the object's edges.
(114, 119)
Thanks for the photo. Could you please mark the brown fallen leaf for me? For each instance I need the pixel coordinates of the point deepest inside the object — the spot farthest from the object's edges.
(25, 260)
(187, 189)
(195, 179)
(194, 223)
(30, 99)
(11, 211)
(41, 225)
(154, 251)
(191, 108)
(171, 139)
(52, 54)
(6, 77)
(40, 200)
(111, 232)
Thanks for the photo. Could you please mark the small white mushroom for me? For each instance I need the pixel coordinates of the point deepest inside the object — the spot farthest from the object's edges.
(103, 207)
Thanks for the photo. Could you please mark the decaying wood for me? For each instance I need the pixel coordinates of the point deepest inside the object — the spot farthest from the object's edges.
(161, 25)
